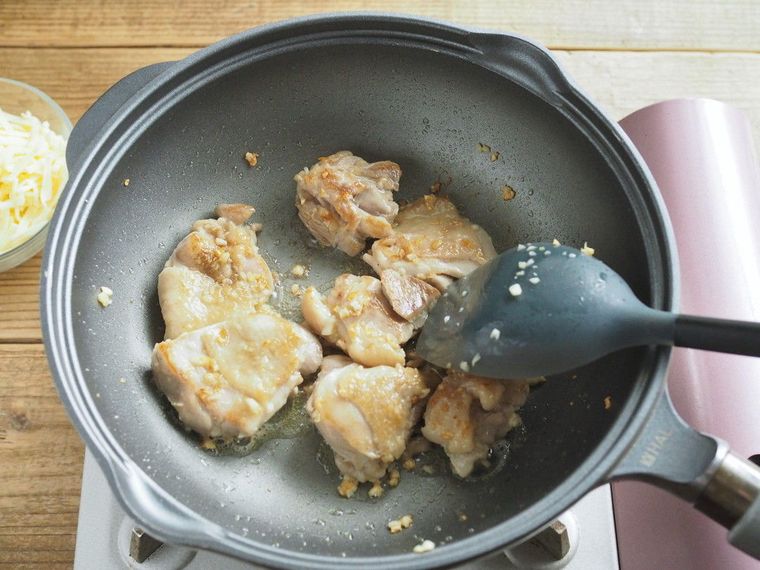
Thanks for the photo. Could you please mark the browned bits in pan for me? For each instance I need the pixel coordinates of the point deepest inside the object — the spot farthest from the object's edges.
(507, 193)
(493, 155)
(252, 158)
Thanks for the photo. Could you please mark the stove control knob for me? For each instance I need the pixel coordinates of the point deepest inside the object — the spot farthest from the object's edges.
(551, 548)
(139, 550)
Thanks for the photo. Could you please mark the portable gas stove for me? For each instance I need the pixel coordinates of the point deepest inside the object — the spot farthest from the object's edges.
(702, 157)
(108, 540)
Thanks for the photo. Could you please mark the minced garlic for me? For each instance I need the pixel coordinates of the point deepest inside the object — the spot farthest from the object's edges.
(105, 296)
(507, 193)
(251, 158)
(299, 271)
(424, 546)
(348, 487)
(376, 490)
(396, 526)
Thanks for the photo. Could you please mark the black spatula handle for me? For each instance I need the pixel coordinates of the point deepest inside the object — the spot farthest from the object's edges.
(719, 335)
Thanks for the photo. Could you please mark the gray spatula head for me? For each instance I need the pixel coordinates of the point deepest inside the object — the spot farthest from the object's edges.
(536, 310)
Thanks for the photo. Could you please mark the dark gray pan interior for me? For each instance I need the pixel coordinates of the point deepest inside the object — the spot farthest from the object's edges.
(427, 111)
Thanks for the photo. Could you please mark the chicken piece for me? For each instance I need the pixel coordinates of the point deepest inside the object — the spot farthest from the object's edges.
(236, 213)
(356, 317)
(410, 297)
(468, 414)
(342, 200)
(365, 414)
(215, 272)
(227, 379)
(432, 242)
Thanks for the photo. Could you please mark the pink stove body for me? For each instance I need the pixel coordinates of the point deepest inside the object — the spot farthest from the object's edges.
(702, 156)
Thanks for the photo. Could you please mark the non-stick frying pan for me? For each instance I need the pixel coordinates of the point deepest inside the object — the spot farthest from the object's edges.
(423, 94)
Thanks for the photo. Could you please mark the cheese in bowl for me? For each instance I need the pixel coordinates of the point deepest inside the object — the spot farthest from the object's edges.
(33, 171)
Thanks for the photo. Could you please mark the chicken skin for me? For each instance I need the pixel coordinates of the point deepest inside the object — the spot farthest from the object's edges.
(365, 414)
(225, 380)
(433, 242)
(468, 414)
(343, 200)
(356, 317)
(216, 271)
(409, 296)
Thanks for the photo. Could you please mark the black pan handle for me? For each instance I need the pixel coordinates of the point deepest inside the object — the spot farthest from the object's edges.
(701, 470)
(720, 335)
(98, 115)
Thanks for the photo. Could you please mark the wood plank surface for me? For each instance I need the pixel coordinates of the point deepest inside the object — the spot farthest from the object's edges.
(81, 74)
(622, 82)
(40, 464)
(567, 24)
(19, 303)
(619, 81)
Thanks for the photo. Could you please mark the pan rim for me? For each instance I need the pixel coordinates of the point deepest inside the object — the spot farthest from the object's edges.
(61, 248)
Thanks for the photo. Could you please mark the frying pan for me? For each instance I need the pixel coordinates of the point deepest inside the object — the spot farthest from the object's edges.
(423, 94)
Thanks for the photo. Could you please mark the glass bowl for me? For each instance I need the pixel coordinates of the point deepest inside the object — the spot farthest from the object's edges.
(17, 97)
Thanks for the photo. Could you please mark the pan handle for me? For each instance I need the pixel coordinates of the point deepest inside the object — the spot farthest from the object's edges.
(701, 470)
(160, 514)
(96, 117)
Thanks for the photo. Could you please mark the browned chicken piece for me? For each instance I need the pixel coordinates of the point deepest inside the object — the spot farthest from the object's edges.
(356, 317)
(432, 242)
(236, 213)
(409, 296)
(214, 273)
(366, 415)
(227, 379)
(343, 200)
(468, 414)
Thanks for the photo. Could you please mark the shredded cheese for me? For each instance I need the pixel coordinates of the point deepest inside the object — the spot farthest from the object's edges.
(32, 174)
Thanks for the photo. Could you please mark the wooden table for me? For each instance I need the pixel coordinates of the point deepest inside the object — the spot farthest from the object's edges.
(626, 54)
